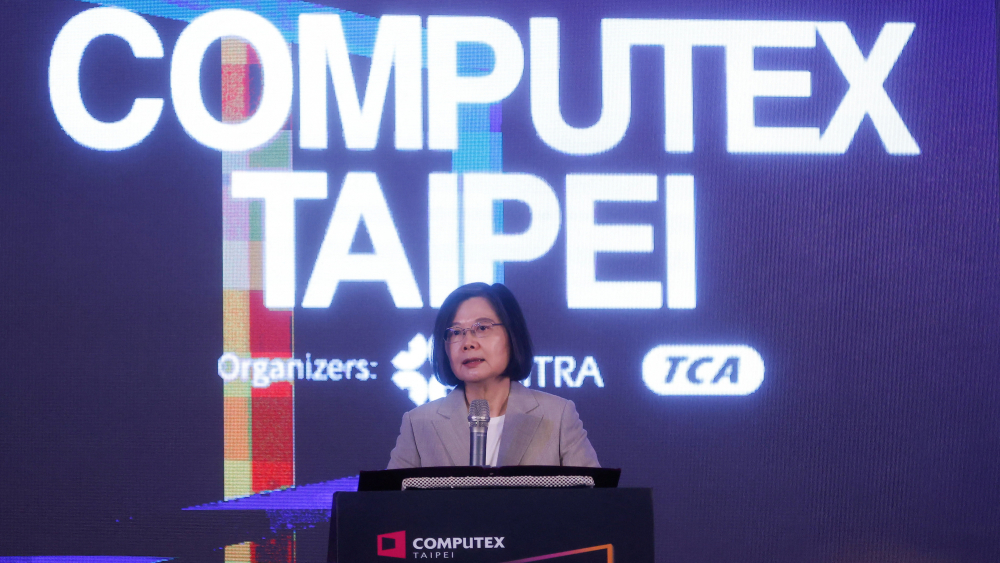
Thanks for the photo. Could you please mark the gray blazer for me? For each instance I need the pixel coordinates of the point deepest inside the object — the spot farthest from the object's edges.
(539, 429)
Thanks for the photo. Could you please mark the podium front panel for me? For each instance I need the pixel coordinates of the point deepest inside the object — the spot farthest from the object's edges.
(494, 526)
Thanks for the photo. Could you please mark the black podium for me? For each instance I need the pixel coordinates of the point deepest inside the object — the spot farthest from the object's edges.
(494, 525)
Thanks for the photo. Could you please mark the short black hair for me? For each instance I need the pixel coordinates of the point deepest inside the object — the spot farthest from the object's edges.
(522, 355)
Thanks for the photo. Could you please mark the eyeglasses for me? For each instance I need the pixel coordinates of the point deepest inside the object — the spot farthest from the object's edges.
(479, 330)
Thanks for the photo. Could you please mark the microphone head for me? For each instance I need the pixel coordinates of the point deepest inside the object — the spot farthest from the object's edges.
(479, 413)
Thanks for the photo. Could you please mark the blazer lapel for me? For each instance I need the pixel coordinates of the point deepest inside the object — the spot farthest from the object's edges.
(452, 427)
(519, 425)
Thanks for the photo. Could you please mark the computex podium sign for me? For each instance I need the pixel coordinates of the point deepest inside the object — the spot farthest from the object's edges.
(494, 526)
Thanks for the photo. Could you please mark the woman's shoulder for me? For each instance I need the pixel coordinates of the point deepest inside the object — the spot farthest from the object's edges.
(454, 401)
(547, 401)
(431, 409)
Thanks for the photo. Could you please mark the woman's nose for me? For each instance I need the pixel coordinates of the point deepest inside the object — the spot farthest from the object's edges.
(470, 343)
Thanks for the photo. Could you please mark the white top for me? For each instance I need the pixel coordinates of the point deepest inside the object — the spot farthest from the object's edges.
(493, 440)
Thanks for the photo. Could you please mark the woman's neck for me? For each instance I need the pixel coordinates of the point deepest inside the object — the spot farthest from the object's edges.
(494, 391)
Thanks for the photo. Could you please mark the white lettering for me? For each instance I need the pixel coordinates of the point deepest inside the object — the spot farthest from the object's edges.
(260, 377)
(585, 238)
(589, 369)
(320, 372)
(681, 278)
(398, 48)
(294, 369)
(866, 94)
(616, 108)
(443, 236)
(229, 366)
(322, 43)
(446, 89)
(361, 199)
(336, 370)
(185, 80)
(540, 362)
(562, 371)
(277, 371)
(744, 84)
(64, 78)
(488, 247)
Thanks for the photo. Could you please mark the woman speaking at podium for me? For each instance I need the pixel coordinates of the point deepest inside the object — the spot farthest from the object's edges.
(483, 349)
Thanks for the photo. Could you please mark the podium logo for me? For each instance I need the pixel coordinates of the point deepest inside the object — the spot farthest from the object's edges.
(392, 545)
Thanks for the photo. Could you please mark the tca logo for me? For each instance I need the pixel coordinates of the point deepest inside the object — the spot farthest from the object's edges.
(392, 545)
(702, 370)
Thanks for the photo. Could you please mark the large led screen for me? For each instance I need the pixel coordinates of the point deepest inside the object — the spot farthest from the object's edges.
(756, 243)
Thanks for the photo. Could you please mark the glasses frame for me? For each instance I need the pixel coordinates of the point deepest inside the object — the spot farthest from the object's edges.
(459, 333)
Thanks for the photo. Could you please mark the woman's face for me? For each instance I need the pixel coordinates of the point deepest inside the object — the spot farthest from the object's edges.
(478, 359)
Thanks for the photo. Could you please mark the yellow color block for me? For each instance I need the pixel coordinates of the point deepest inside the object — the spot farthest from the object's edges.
(239, 553)
(234, 51)
(236, 322)
(238, 479)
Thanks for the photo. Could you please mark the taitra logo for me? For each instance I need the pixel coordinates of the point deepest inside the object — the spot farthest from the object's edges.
(392, 545)
(419, 387)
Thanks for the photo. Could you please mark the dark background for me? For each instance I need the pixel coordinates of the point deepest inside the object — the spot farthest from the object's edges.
(869, 283)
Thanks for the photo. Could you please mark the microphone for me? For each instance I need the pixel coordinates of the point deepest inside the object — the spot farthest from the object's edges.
(479, 422)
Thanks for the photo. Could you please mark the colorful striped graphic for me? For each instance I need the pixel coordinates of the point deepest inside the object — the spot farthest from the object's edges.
(259, 423)
(259, 438)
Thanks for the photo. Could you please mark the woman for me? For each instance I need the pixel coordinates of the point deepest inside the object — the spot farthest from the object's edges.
(482, 347)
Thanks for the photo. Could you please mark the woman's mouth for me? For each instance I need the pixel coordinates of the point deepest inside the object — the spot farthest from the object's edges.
(472, 362)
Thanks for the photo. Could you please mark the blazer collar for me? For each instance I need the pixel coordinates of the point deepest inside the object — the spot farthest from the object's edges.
(453, 426)
(520, 401)
(519, 425)
(518, 428)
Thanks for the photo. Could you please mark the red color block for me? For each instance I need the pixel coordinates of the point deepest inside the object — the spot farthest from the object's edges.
(270, 331)
(281, 389)
(272, 475)
(235, 88)
(252, 58)
(273, 440)
(281, 548)
(273, 426)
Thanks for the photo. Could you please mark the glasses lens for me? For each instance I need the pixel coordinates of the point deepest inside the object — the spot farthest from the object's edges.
(451, 334)
(481, 329)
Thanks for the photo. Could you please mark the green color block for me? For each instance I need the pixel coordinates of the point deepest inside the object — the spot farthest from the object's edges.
(275, 154)
(236, 388)
(256, 220)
